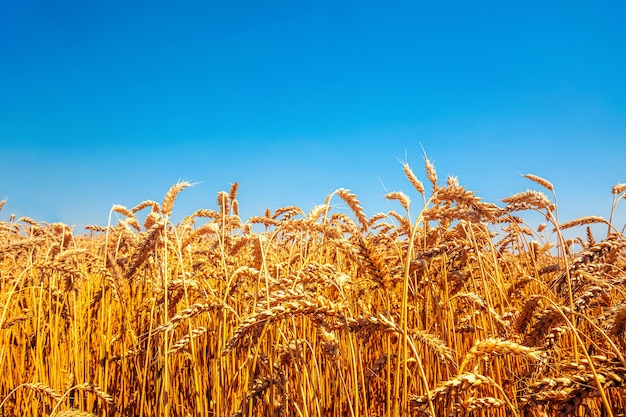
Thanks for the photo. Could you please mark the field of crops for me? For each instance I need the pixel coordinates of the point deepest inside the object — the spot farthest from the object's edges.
(447, 306)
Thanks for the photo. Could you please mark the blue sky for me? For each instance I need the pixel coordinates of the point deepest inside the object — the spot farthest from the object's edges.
(106, 103)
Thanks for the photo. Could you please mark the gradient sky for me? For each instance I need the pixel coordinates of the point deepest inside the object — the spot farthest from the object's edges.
(112, 102)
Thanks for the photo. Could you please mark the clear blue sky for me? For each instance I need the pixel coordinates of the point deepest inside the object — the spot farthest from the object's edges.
(112, 102)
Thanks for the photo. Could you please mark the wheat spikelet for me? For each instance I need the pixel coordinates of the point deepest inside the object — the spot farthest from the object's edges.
(299, 285)
(211, 214)
(548, 318)
(23, 244)
(44, 389)
(29, 221)
(496, 346)
(96, 228)
(549, 269)
(541, 181)
(147, 203)
(264, 220)
(526, 200)
(373, 261)
(69, 382)
(598, 361)
(449, 389)
(98, 392)
(437, 345)
(168, 201)
(452, 181)
(417, 184)
(593, 296)
(354, 205)
(445, 212)
(301, 307)
(235, 207)
(590, 239)
(404, 200)
(222, 203)
(553, 396)
(187, 313)
(69, 270)
(582, 221)
(26, 315)
(132, 222)
(376, 218)
(232, 195)
(185, 340)
(455, 193)
(431, 172)
(618, 188)
(566, 393)
(473, 298)
(369, 323)
(207, 228)
(73, 252)
(118, 208)
(553, 336)
(609, 247)
(287, 212)
(526, 314)
(151, 219)
(316, 212)
(472, 404)
(143, 249)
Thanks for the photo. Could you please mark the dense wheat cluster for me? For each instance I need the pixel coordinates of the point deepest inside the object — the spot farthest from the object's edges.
(451, 306)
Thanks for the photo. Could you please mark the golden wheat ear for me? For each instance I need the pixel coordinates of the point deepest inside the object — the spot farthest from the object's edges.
(417, 184)
(541, 181)
(170, 197)
(355, 206)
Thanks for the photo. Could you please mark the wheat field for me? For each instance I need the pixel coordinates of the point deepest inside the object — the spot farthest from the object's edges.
(448, 306)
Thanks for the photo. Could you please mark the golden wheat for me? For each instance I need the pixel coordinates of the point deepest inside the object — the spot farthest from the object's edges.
(467, 309)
